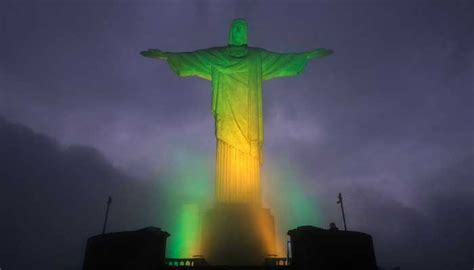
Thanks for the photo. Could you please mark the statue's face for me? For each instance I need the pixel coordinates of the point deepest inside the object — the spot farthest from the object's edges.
(238, 33)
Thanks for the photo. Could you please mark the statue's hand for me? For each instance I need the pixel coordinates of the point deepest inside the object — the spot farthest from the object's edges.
(318, 53)
(154, 53)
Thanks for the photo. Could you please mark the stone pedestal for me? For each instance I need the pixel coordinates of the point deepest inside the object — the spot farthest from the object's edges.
(316, 248)
(139, 250)
(238, 234)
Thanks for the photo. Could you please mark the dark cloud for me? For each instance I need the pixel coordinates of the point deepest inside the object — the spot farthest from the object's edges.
(54, 199)
(387, 120)
(439, 226)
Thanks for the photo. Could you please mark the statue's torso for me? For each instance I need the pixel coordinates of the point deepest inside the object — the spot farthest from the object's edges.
(236, 85)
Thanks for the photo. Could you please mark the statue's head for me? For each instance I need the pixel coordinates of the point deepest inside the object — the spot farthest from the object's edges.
(238, 33)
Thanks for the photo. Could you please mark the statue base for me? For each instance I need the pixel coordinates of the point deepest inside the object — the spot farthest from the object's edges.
(238, 234)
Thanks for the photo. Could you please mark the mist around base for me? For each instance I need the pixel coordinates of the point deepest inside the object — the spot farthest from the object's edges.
(189, 190)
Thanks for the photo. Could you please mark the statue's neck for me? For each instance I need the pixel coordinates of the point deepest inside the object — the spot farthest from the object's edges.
(237, 51)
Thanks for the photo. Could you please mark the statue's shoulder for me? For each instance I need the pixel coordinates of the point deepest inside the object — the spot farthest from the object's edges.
(223, 49)
(218, 52)
(257, 51)
(217, 49)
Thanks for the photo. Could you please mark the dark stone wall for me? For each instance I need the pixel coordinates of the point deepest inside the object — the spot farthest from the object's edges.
(142, 249)
(316, 248)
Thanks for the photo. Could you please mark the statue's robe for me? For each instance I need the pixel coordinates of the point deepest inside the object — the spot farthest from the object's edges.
(237, 109)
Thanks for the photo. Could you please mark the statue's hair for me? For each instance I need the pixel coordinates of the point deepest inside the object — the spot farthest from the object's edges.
(239, 20)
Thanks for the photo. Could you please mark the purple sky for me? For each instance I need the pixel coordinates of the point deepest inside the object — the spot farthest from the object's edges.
(387, 120)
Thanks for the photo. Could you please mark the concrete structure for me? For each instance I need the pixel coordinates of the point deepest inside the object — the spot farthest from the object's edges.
(137, 250)
(314, 248)
(238, 234)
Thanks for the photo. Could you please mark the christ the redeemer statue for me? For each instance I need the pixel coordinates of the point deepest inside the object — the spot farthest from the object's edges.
(237, 72)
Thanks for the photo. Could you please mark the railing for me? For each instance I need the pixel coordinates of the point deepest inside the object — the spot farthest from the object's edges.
(186, 262)
(197, 262)
(275, 261)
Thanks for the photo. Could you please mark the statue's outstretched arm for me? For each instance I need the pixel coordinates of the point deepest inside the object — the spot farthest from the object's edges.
(318, 53)
(155, 53)
(276, 65)
(184, 64)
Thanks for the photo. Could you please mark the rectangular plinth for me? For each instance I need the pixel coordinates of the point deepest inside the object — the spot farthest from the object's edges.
(238, 234)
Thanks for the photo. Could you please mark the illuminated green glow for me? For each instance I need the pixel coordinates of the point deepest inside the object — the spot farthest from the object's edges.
(188, 191)
(289, 198)
(188, 231)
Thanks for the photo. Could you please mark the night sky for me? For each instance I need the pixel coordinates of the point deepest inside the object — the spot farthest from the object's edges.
(387, 119)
